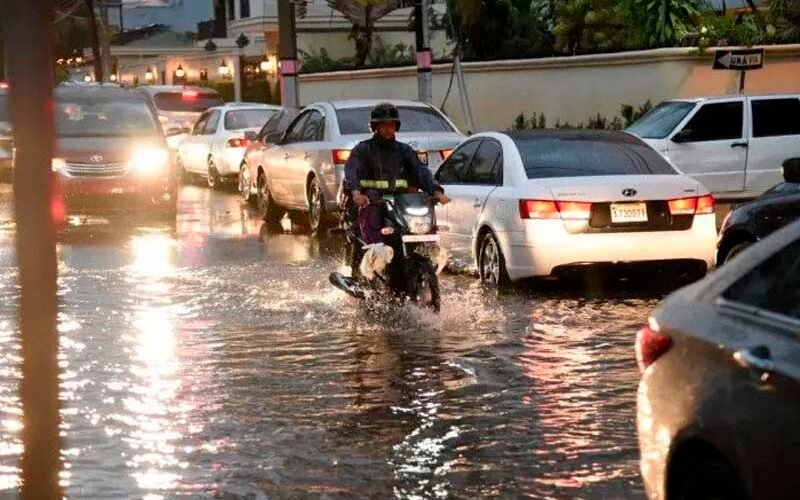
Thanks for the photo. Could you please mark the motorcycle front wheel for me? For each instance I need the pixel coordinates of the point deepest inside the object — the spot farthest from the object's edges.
(427, 292)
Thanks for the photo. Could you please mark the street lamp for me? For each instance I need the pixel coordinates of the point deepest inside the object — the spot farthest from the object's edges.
(87, 78)
(180, 73)
(113, 77)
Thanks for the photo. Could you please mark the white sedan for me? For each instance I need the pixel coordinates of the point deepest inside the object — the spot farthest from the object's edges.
(216, 146)
(547, 203)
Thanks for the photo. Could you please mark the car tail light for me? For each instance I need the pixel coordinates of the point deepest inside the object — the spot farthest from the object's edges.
(683, 206)
(705, 204)
(189, 95)
(538, 209)
(650, 345)
(574, 210)
(445, 153)
(237, 142)
(692, 205)
(544, 209)
(3, 85)
(340, 156)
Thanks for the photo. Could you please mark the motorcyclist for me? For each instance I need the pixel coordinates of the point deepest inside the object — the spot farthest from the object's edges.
(382, 164)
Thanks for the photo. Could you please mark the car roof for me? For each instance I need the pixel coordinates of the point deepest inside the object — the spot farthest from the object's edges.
(616, 137)
(368, 103)
(155, 89)
(729, 96)
(97, 93)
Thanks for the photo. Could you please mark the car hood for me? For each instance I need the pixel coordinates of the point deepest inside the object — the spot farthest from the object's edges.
(102, 150)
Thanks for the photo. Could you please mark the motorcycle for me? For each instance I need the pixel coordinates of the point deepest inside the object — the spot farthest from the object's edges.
(406, 264)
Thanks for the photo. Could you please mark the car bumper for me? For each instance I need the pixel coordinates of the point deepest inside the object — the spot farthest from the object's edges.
(229, 162)
(545, 246)
(117, 193)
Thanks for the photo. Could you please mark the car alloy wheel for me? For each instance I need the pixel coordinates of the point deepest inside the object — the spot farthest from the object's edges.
(245, 186)
(316, 210)
(491, 264)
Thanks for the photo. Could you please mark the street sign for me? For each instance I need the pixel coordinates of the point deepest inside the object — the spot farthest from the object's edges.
(744, 59)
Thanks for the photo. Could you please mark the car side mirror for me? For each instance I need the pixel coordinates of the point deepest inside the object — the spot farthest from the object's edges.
(791, 170)
(173, 131)
(684, 135)
(251, 136)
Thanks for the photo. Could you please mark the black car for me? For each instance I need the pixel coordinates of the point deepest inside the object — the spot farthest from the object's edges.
(749, 223)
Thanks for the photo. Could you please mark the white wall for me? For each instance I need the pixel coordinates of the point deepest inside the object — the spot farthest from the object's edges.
(566, 88)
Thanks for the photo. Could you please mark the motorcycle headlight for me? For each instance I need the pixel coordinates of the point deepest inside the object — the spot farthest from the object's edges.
(419, 224)
(150, 160)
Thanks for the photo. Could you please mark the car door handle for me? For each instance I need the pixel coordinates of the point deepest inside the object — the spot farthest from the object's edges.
(739, 145)
(286, 156)
(477, 203)
(758, 358)
(306, 156)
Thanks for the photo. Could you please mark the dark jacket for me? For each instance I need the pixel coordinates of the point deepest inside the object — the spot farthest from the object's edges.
(377, 159)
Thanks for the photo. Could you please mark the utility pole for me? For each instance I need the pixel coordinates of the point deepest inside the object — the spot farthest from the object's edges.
(423, 41)
(96, 54)
(288, 53)
(38, 207)
(105, 41)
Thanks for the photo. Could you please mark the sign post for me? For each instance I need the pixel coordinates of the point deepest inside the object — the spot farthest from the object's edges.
(740, 60)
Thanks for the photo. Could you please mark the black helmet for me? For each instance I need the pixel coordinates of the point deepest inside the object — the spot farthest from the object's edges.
(384, 112)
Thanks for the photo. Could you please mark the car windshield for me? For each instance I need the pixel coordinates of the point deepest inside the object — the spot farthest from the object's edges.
(661, 120)
(247, 118)
(414, 119)
(187, 101)
(545, 157)
(104, 119)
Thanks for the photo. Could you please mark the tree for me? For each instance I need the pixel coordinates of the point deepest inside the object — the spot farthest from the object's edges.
(784, 18)
(586, 26)
(665, 22)
(499, 29)
(363, 14)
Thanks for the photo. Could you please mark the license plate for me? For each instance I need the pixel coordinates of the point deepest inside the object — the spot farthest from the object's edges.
(622, 213)
(420, 238)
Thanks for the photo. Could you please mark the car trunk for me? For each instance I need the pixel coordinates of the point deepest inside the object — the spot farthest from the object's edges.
(632, 203)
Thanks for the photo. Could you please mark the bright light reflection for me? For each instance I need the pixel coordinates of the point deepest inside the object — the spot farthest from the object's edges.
(152, 255)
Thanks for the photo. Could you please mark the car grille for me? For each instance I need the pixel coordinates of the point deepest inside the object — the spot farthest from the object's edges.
(96, 170)
(658, 219)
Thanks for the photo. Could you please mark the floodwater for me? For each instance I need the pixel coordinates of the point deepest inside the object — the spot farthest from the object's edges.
(207, 358)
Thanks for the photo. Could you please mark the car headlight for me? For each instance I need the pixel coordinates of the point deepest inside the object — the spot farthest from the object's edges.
(58, 164)
(150, 160)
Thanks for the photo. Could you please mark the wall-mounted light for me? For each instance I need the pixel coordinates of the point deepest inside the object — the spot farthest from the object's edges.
(269, 65)
(149, 75)
(224, 70)
(87, 78)
(113, 77)
(180, 72)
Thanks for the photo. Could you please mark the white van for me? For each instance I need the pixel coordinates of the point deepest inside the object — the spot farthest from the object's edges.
(734, 145)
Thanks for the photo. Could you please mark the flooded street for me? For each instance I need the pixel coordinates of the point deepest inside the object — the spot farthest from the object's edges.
(209, 359)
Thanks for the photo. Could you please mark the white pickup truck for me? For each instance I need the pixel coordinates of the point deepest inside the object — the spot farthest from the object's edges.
(734, 145)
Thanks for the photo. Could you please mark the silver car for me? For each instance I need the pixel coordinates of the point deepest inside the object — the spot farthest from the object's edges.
(719, 399)
(302, 173)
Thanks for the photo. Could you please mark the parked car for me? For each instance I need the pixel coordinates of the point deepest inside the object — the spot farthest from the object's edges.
(253, 159)
(552, 203)
(179, 107)
(749, 223)
(111, 153)
(216, 146)
(733, 145)
(303, 172)
(6, 137)
(718, 402)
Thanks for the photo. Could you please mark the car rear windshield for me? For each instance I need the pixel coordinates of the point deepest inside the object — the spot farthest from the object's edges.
(563, 157)
(661, 120)
(414, 119)
(104, 119)
(189, 101)
(247, 118)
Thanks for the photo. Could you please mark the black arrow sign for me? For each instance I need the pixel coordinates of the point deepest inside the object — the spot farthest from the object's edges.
(739, 59)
